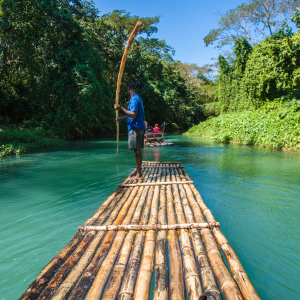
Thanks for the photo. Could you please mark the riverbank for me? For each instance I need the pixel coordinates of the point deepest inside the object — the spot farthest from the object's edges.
(17, 140)
(274, 125)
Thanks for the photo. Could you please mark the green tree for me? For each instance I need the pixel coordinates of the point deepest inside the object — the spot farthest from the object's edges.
(273, 70)
(253, 21)
(49, 70)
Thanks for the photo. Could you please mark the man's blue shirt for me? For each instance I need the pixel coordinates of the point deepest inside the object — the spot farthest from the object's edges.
(136, 104)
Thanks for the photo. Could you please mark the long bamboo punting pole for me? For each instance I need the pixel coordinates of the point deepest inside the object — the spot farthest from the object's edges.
(226, 282)
(236, 268)
(142, 288)
(192, 279)
(114, 284)
(102, 276)
(129, 279)
(176, 285)
(130, 40)
(161, 268)
(37, 286)
(95, 262)
(208, 280)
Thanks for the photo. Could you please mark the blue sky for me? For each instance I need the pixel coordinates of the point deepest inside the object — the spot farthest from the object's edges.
(183, 24)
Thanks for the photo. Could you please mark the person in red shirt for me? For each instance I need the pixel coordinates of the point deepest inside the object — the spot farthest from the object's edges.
(156, 128)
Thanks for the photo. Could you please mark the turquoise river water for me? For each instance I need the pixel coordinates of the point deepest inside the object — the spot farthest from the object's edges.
(253, 192)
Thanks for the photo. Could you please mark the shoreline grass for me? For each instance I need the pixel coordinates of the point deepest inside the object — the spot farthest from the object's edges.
(18, 140)
(274, 125)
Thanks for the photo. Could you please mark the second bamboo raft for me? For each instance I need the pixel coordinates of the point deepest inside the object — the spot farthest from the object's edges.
(186, 262)
(157, 143)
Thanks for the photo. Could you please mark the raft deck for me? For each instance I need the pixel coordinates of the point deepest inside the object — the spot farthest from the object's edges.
(159, 226)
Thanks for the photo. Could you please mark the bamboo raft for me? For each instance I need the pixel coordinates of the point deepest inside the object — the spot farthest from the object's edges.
(163, 228)
(157, 143)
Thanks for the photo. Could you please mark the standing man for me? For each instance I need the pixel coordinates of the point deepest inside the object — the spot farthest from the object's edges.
(135, 116)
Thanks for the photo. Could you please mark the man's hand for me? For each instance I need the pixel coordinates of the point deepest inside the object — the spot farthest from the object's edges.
(121, 118)
(128, 113)
(117, 107)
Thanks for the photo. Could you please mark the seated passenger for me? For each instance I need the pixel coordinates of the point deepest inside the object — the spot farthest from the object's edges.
(156, 129)
(149, 128)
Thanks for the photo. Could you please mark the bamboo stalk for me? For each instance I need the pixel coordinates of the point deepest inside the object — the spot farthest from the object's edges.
(226, 283)
(176, 285)
(108, 202)
(93, 263)
(161, 268)
(159, 167)
(142, 288)
(38, 285)
(192, 279)
(102, 276)
(154, 183)
(148, 227)
(114, 284)
(72, 260)
(209, 284)
(160, 162)
(122, 66)
(236, 268)
(83, 260)
(129, 279)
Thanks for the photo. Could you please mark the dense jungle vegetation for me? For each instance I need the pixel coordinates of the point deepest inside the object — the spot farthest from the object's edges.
(259, 92)
(59, 62)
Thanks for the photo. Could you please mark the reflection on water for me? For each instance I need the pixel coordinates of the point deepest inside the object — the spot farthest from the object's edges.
(253, 192)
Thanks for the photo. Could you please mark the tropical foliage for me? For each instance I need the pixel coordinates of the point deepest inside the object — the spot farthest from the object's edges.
(274, 125)
(270, 70)
(258, 94)
(59, 63)
(16, 140)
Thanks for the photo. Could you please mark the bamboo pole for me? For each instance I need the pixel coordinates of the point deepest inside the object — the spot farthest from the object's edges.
(236, 268)
(107, 203)
(73, 259)
(93, 263)
(176, 285)
(161, 268)
(129, 279)
(208, 280)
(38, 285)
(226, 283)
(159, 167)
(161, 162)
(192, 279)
(154, 183)
(122, 66)
(86, 257)
(102, 276)
(114, 284)
(142, 288)
(148, 227)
